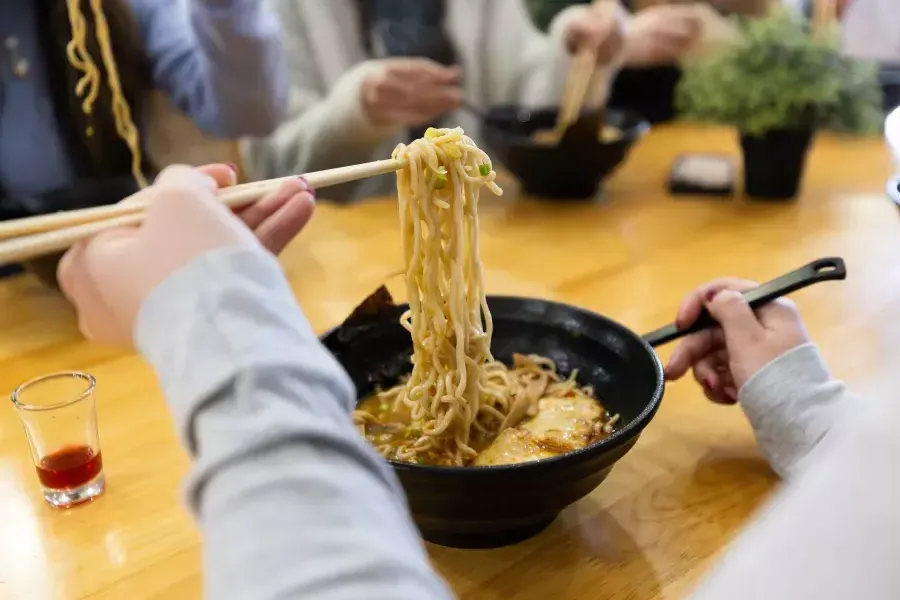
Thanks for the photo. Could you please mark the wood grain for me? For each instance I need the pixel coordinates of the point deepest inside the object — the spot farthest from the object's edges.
(690, 484)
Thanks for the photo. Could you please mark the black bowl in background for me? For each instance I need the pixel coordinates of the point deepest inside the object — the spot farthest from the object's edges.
(482, 507)
(893, 190)
(573, 169)
(889, 77)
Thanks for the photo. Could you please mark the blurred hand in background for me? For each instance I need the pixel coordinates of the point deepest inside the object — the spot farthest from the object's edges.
(601, 29)
(404, 92)
(661, 35)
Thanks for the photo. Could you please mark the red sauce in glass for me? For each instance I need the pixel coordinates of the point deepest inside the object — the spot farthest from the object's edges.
(70, 467)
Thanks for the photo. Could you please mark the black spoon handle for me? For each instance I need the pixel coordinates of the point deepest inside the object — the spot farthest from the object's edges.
(824, 269)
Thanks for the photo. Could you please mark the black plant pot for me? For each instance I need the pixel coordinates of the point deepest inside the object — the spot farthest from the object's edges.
(893, 190)
(889, 77)
(774, 163)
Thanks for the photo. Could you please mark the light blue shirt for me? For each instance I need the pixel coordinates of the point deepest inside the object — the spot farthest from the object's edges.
(219, 61)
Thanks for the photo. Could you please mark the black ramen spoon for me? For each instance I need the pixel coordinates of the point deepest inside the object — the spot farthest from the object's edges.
(824, 269)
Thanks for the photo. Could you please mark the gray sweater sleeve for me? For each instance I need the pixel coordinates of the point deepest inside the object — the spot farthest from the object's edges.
(291, 501)
(792, 403)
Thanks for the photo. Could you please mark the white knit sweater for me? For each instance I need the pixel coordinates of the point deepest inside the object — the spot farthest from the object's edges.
(505, 59)
(871, 30)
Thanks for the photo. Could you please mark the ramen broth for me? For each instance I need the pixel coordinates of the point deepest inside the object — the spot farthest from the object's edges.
(560, 425)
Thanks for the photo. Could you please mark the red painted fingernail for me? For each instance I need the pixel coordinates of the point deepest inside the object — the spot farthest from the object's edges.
(233, 167)
(307, 188)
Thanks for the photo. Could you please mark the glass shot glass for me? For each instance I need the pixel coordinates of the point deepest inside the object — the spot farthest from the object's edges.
(60, 419)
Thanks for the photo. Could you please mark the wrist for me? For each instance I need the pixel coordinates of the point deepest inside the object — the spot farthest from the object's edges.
(351, 113)
(803, 360)
(369, 106)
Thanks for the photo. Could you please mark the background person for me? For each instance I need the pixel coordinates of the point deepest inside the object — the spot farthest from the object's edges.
(218, 61)
(369, 74)
(656, 38)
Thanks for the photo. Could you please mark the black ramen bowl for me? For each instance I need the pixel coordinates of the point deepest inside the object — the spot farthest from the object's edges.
(482, 507)
(573, 169)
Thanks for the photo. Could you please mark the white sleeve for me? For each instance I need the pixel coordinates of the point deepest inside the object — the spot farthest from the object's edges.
(833, 533)
(871, 30)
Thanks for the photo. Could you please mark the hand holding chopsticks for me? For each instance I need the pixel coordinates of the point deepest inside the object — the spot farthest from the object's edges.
(109, 278)
(56, 232)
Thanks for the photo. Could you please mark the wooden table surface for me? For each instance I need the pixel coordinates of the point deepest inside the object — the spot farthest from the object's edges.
(693, 480)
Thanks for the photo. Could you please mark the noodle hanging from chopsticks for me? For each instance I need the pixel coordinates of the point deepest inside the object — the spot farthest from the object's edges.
(455, 382)
(458, 398)
(88, 87)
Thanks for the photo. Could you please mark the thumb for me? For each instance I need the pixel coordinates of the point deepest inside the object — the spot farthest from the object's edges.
(185, 197)
(225, 175)
(185, 218)
(730, 309)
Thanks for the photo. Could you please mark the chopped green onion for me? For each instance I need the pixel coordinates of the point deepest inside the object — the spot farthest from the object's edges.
(485, 170)
(431, 132)
(440, 183)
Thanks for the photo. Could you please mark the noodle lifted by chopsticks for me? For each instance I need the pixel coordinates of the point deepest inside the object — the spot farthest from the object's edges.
(458, 397)
(455, 384)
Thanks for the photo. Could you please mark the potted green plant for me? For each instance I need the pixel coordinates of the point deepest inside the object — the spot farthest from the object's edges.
(778, 84)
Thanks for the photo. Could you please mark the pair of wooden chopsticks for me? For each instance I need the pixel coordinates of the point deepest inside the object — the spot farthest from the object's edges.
(31, 237)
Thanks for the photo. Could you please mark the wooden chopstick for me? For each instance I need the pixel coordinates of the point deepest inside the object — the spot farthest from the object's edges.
(824, 15)
(233, 197)
(41, 244)
(578, 83)
(47, 234)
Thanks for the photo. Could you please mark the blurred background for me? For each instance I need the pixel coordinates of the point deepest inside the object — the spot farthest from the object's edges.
(290, 86)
